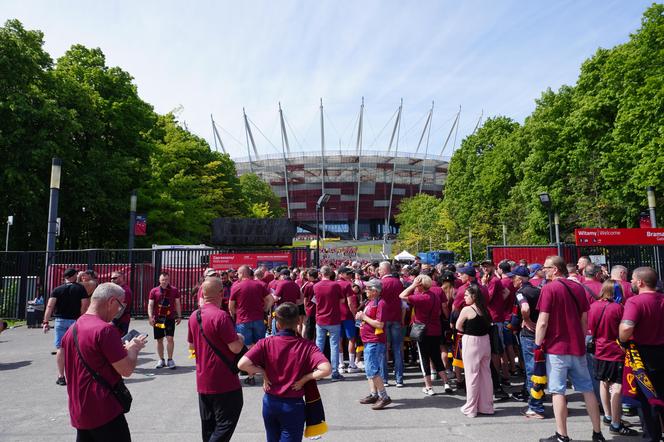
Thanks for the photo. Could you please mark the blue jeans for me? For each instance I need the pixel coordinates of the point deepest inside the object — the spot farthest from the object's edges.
(61, 326)
(252, 331)
(335, 335)
(528, 348)
(395, 340)
(590, 358)
(283, 418)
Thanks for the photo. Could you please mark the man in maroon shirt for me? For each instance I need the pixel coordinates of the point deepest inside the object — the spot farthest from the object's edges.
(329, 298)
(619, 275)
(560, 330)
(393, 317)
(642, 321)
(309, 304)
(348, 312)
(285, 290)
(219, 390)
(581, 264)
(118, 277)
(163, 305)
(94, 411)
(248, 303)
(287, 363)
(593, 281)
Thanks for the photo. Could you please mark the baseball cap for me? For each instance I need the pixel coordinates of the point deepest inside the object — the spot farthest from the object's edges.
(70, 272)
(209, 272)
(468, 270)
(534, 268)
(519, 271)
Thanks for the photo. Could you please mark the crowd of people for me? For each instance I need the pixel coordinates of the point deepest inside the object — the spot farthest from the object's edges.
(479, 328)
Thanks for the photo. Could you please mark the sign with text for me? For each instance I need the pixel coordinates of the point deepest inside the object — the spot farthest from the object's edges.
(619, 237)
(225, 261)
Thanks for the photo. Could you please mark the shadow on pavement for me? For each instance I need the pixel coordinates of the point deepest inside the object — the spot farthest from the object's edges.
(435, 401)
(137, 380)
(183, 369)
(14, 365)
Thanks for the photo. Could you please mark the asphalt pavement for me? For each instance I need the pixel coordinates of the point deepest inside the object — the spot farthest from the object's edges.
(165, 406)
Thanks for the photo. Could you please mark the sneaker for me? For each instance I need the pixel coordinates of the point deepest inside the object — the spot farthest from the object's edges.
(381, 403)
(337, 377)
(160, 364)
(399, 384)
(500, 396)
(360, 365)
(531, 414)
(61, 381)
(447, 388)
(621, 431)
(386, 384)
(352, 370)
(599, 437)
(520, 396)
(428, 391)
(555, 438)
(369, 399)
(171, 364)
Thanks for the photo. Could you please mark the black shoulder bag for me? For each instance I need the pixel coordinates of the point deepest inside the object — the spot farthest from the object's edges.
(590, 345)
(232, 366)
(119, 390)
(418, 330)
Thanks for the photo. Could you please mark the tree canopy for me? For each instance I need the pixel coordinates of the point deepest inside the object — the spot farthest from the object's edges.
(111, 142)
(594, 147)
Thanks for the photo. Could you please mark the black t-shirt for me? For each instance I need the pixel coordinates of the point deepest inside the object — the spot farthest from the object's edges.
(68, 300)
(530, 294)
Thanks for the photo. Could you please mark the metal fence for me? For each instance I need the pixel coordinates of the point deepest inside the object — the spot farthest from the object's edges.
(628, 256)
(24, 276)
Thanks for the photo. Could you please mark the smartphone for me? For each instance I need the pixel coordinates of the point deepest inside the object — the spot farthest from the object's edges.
(131, 335)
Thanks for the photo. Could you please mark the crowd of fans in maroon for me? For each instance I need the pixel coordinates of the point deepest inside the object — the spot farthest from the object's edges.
(491, 332)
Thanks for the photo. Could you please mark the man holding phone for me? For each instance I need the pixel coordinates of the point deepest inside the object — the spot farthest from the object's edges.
(93, 409)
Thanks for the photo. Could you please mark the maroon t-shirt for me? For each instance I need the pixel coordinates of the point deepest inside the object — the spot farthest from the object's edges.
(92, 405)
(508, 303)
(164, 301)
(438, 291)
(328, 296)
(459, 303)
(351, 299)
(128, 301)
(427, 307)
(627, 291)
(308, 292)
(285, 359)
(287, 291)
(392, 288)
(564, 334)
(212, 374)
(375, 310)
(495, 302)
(605, 330)
(249, 296)
(646, 311)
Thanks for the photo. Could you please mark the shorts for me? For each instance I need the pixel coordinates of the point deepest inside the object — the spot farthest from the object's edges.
(495, 338)
(169, 330)
(374, 355)
(252, 331)
(507, 335)
(561, 367)
(609, 371)
(300, 310)
(61, 326)
(348, 329)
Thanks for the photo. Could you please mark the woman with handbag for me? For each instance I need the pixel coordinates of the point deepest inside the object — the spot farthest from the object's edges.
(603, 321)
(426, 329)
(474, 322)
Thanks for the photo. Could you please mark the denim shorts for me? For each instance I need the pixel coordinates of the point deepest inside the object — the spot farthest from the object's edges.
(561, 367)
(348, 329)
(374, 354)
(507, 335)
(252, 331)
(61, 326)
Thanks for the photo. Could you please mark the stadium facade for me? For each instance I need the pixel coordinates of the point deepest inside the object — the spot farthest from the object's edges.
(365, 187)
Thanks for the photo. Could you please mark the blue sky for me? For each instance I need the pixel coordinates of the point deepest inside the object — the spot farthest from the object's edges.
(216, 57)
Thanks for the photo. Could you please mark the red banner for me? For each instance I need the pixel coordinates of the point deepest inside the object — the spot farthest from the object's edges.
(141, 225)
(225, 261)
(619, 237)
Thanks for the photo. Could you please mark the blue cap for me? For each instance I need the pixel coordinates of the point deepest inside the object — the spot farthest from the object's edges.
(468, 270)
(534, 269)
(519, 271)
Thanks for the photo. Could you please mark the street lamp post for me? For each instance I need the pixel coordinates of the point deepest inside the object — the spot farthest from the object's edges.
(545, 199)
(651, 205)
(556, 222)
(56, 170)
(10, 222)
(320, 204)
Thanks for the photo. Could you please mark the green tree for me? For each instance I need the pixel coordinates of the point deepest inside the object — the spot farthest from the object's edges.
(259, 197)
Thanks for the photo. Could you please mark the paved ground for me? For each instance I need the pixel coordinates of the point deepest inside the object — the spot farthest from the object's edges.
(165, 404)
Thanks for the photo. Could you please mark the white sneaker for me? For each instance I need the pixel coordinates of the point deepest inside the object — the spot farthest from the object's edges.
(360, 365)
(447, 388)
(428, 391)
(353, 370)
(171, 364)
(160, 364)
